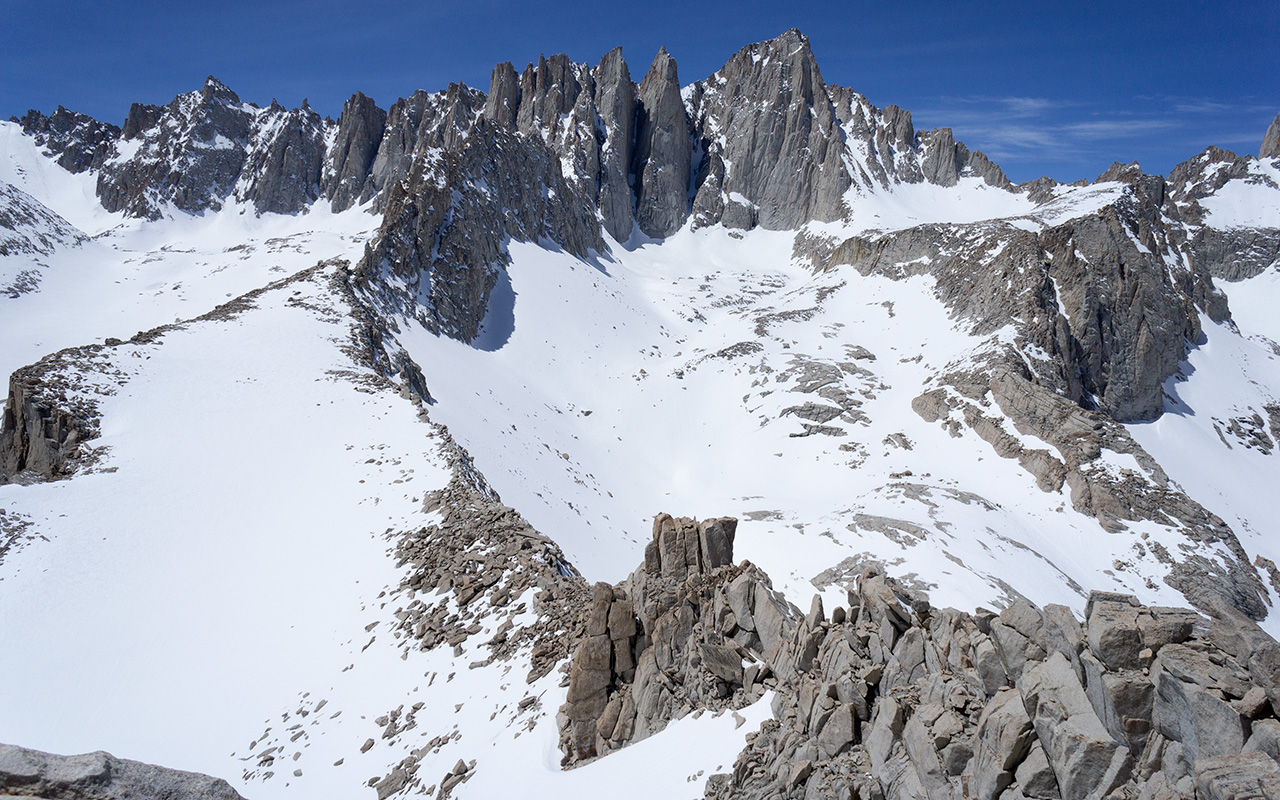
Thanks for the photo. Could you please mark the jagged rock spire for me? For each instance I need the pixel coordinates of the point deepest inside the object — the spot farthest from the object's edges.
(347, 167)
(1270, 147)
(662, 155)
(504, 95)
(772, 138)
(615, 102)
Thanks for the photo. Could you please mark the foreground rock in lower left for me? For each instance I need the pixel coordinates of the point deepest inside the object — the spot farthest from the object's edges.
(100, 776)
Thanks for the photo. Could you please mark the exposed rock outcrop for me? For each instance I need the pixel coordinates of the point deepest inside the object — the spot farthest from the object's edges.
(1270, 147)
(615, 102)
(772, 146)
(892, 698)
(188, 154)
(663, 150)
(1105, 307)
(284, 156)
(418, 124)
(485, 556)
(1227, 251)
(206, 147)
(350, 160)
(31, 229)
(43, 426)
(100, 776)
(673, 638)
(79, 141)
(1235, 254)
(1027, 703)
(442, 242)
(1113, 295)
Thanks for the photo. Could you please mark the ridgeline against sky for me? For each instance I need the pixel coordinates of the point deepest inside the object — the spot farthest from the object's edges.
(1063, 92)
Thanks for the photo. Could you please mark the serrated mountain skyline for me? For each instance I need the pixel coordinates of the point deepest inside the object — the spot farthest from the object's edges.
(499, 439)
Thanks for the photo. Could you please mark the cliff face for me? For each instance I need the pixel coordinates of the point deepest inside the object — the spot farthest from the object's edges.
(443, 237)
(40, 431)
(1114, 295)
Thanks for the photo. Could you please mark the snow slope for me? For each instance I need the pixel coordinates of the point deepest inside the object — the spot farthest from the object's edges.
(221, 574)
(220, 583)
(1249, 202)
(674, 378)
(222, 554)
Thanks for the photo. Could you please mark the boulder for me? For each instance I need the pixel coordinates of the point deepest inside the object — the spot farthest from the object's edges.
(1239, 776)
(100, 776)
(715, 539)
(1113, 633)
(1189, 707)
(722, 662)
(1035, 777)
(1087, 761)
(1265, 738)
(838, 732)
(1123, 701)
(1003, 739)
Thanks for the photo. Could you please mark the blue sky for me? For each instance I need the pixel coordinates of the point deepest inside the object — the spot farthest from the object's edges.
(1061, 88)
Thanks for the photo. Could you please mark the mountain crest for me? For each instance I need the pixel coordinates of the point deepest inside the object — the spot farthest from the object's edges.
(1270, 147)
(214, 89)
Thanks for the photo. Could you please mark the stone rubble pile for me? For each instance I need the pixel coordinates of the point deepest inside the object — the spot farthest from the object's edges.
(477, 562)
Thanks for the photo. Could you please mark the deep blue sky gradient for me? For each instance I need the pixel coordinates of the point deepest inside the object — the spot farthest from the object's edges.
(1060, 88)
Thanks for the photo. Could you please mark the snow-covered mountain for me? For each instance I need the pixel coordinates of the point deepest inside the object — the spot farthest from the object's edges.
(319, 434)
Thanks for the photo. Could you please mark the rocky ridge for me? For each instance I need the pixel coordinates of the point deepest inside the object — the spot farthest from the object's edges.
(78, 141)
(1230, 252)
(892, 698)
(614, 154)
(671, 639)
(1105, 307)
(51, 415)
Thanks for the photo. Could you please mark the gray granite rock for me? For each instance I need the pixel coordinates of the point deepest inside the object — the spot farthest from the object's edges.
(615, 102)
(1088, 763)
(660, 162)
(1270, 146)
(1238, 776)
(349, 161)
(1003, 738)
(284, 158)
(100, 776)
(504, 95)
(1190, 707)
(445, 226)
(78, 141)
(772, 146)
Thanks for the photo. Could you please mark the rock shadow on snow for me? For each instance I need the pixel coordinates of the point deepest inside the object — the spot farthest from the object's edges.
(500, 317)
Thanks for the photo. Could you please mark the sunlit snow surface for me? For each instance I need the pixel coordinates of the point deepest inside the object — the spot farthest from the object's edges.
(1250, 201)
(215, 583)
(632, 386)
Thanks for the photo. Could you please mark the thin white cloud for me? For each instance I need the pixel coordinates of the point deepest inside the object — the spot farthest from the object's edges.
(1039, 130)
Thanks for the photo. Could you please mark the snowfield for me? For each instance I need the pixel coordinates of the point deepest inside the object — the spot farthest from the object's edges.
(220, 581)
